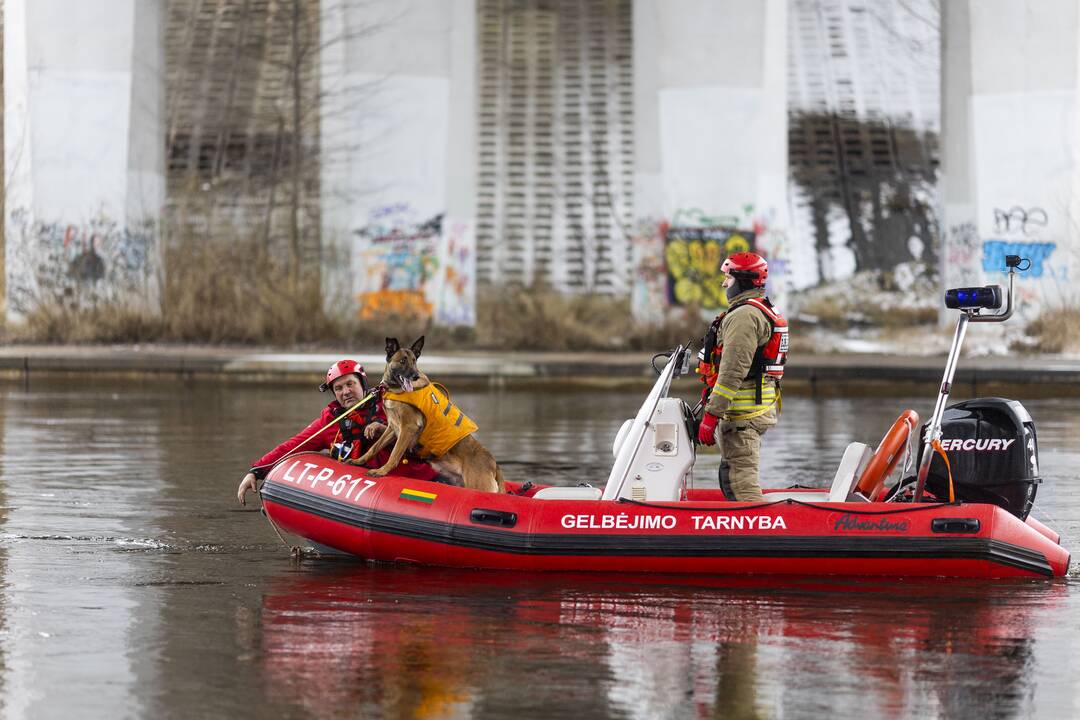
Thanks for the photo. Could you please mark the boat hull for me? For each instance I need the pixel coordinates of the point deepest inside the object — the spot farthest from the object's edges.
(394, 519)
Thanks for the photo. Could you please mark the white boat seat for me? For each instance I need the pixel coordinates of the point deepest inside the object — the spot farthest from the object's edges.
(856, 457)
(568, 493)
(803, 495)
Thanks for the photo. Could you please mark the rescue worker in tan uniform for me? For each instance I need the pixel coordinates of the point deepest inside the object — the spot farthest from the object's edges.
(743, 368)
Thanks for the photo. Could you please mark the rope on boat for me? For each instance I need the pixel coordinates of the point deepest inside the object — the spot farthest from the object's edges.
(374, 392)
(274, 525)
(788, 501)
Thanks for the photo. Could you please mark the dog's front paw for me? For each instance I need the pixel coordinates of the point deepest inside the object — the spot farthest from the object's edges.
(378, 472)
(362, 460)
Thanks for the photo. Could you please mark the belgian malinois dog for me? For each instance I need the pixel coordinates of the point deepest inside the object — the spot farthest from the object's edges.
(467, 459)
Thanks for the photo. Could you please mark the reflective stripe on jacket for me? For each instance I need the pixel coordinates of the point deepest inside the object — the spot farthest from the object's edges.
(444, 425)
(742, 402)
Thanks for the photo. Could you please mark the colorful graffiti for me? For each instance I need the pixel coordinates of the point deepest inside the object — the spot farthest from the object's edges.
(649, 294)
(455, 303)
(1021, 231)
(78, 264)
(696, 217)
(994, 252)
(677, 263)
(961, 253)
(396, 260)
(421, 269)
(973, 258)
(693, 256)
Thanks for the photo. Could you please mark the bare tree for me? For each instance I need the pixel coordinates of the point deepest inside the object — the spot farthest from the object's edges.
(244, 107)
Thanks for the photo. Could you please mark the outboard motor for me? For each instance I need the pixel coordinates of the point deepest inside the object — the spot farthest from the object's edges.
(993, 454)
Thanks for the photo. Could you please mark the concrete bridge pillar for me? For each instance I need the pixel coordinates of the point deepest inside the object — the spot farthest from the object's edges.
(84, 152)
(710, 141)
(397, 125)
(1011, 141)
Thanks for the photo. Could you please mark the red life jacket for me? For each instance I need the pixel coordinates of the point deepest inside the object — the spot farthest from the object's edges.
(349, 442)
(769, 359)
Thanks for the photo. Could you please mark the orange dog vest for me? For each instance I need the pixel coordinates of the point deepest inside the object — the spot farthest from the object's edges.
(444, 425)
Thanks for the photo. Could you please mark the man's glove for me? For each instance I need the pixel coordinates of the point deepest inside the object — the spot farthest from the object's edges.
(707, 429)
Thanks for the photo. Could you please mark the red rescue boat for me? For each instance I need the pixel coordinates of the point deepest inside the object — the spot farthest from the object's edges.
(965, 513)
(396, 519)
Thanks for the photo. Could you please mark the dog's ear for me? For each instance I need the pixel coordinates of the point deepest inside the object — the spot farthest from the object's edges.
(418, 346)
(392, 346)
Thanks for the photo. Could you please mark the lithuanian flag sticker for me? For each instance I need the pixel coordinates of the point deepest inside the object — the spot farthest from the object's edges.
(417, 496)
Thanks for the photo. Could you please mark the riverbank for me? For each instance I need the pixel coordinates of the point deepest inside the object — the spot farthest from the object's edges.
(818, 374)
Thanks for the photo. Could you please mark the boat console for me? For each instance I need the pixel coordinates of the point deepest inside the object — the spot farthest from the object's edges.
(654, 452)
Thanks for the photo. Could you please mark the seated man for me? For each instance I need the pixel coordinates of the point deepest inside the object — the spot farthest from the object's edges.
(347, 439)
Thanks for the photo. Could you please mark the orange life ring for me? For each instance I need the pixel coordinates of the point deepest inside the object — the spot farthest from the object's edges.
(872, 482)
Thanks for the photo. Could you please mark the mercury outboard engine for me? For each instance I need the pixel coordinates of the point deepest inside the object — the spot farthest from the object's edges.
(993, 453)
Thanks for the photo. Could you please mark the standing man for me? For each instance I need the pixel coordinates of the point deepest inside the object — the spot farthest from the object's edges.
(742, 363)
(346, 439)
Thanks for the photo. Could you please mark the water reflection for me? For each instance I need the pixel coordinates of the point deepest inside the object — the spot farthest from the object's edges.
(78, 487)
(395, 642)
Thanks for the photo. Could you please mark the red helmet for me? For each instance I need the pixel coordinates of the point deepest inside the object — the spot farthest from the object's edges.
(746, 265)
(344, 367)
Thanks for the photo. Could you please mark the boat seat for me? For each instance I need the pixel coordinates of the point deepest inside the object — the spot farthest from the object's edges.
(568, 493)
(855, 459)
(802, 495)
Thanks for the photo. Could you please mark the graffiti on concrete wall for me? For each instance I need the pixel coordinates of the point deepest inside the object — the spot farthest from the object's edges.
(974, 258)
(78, 264)
(693, 256)
(994, 252)
(676, 262)
(396, 260)
(649, 293)
(696, 217)
(1022, 231)
(456, 287)
(1018, 220)
(415, 268)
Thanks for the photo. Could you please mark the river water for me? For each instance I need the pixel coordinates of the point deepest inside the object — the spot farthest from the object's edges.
(133, 585)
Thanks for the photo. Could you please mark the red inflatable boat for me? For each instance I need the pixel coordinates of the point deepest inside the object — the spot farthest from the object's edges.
(964, 517)
(401, 520)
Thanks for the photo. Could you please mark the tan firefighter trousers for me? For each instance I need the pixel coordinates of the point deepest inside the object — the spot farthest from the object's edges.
(740, 444)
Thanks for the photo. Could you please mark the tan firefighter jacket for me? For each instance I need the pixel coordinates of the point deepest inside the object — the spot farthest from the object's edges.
(742, 331)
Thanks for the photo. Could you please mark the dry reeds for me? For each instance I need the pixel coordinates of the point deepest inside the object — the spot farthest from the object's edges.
(236, 293)
(212, 292)
(1053, 331)
(540, 318)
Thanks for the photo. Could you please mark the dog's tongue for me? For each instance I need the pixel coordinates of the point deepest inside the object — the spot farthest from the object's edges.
(407, 384)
